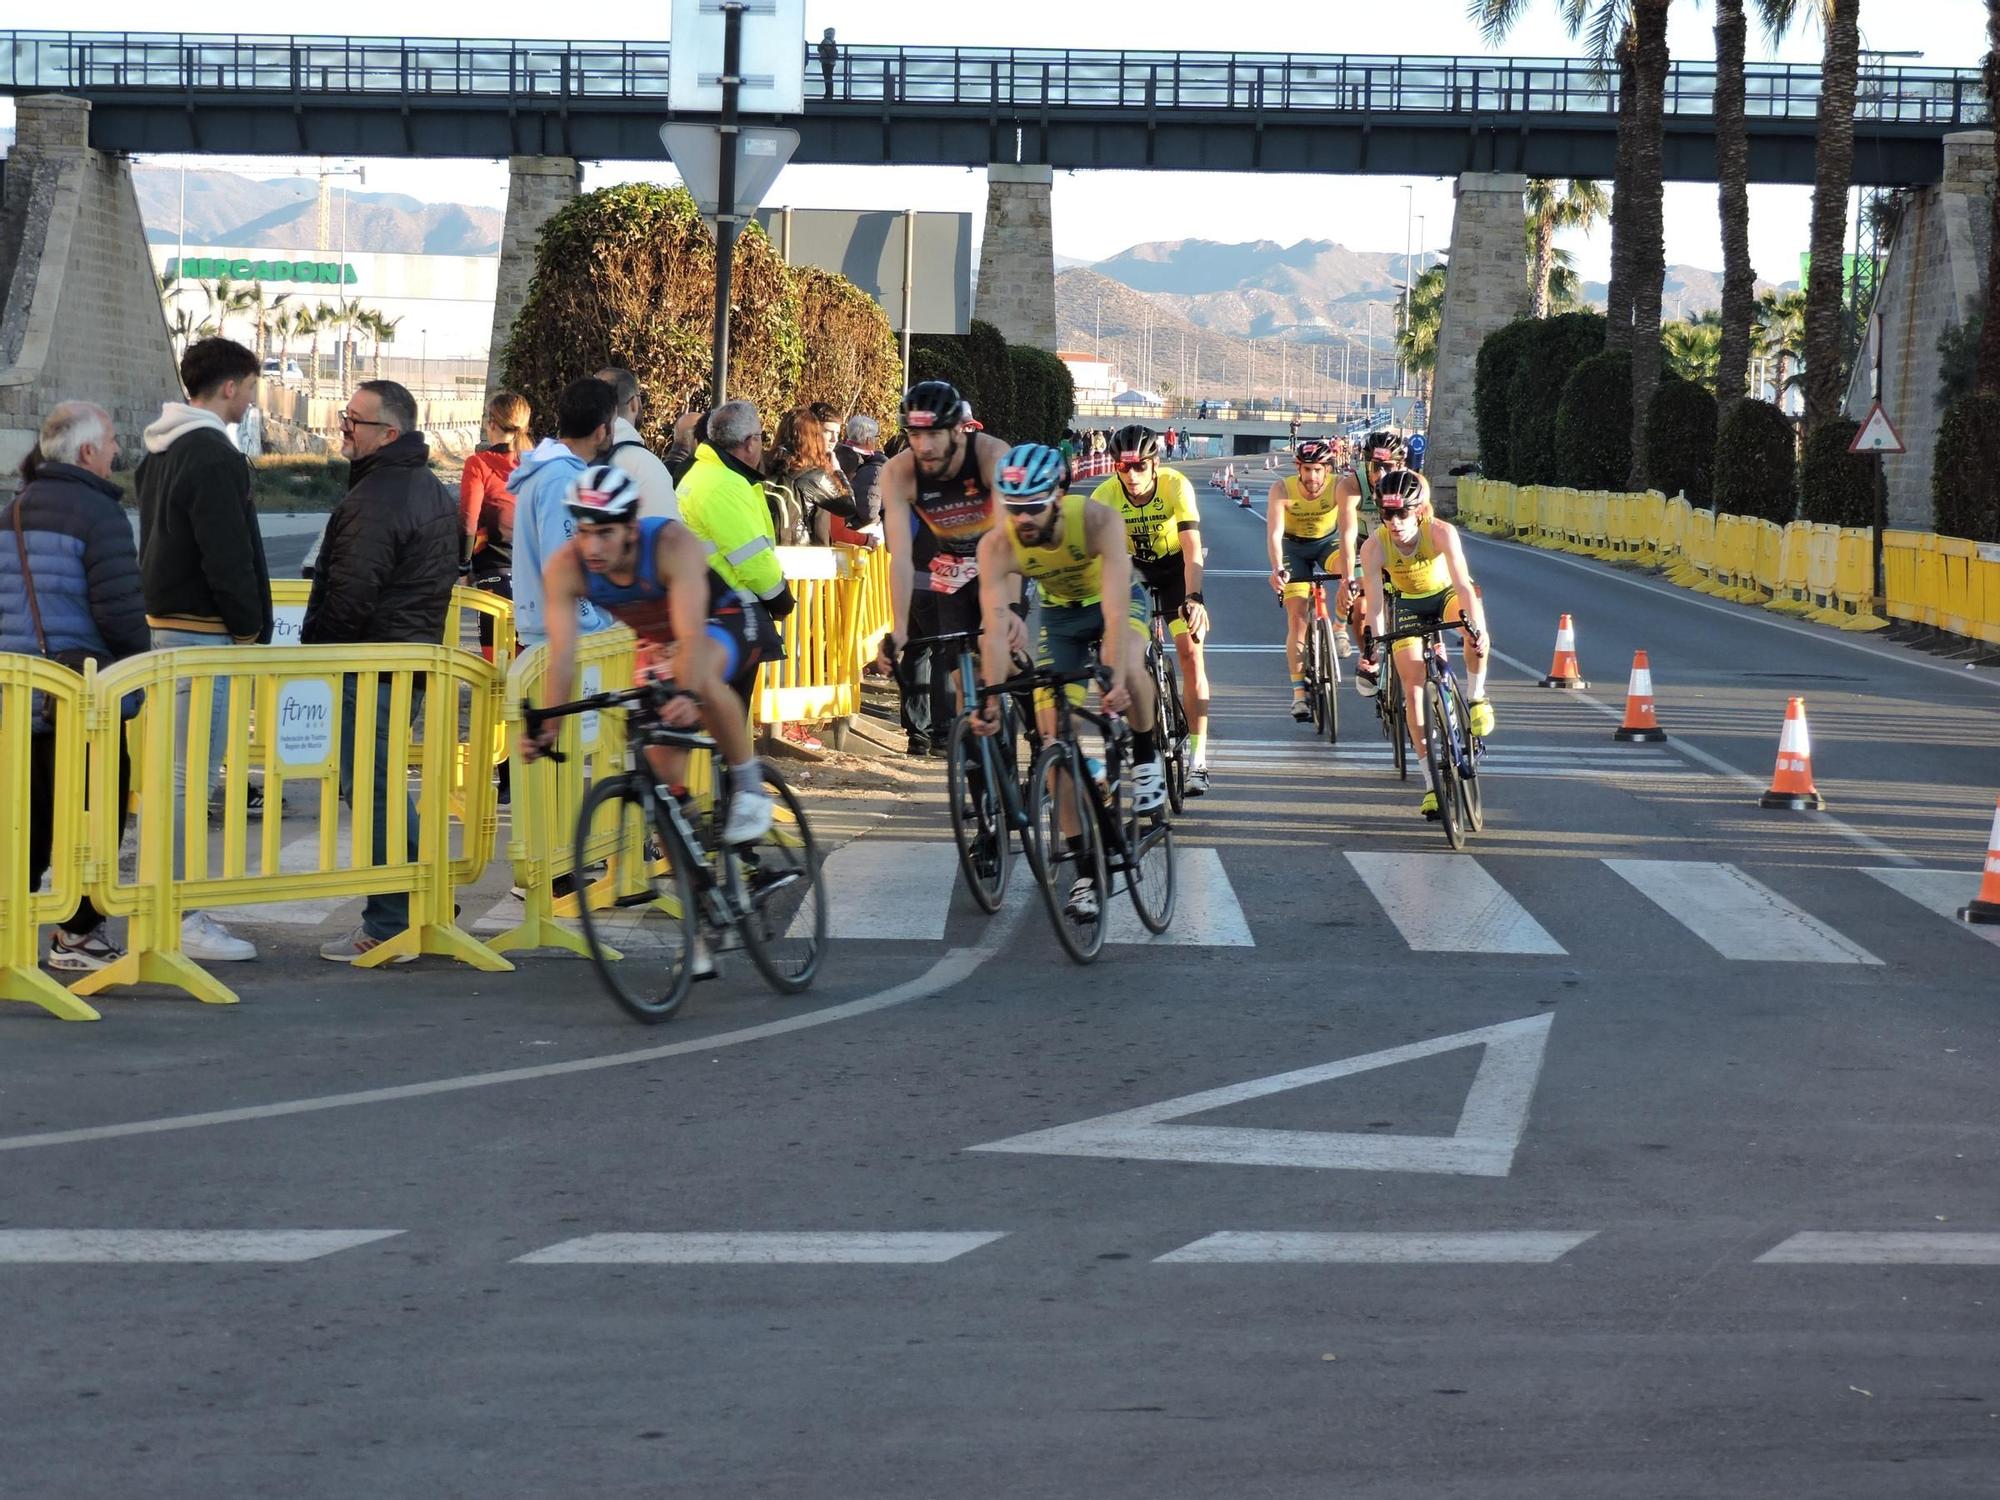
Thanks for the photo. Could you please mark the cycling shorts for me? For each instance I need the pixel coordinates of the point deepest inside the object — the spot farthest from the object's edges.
(1067, 633)
(1169, 579)
(748, 639)
(1425, 609)
(1306, 555)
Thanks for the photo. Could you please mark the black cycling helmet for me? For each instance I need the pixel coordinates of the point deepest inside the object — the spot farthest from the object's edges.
(1402, 490)
(1313, 451)
(1385, 448)
(1134, 441)
(933, 403)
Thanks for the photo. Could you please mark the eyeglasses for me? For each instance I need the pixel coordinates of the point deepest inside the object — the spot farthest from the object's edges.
(1030, 509)
(349, 420)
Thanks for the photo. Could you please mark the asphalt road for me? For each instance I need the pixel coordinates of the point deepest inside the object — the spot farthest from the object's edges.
(1677, 1177)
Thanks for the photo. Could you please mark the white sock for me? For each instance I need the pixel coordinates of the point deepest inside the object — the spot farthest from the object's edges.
(1476, 684)
(1424, 765)
(748, 777)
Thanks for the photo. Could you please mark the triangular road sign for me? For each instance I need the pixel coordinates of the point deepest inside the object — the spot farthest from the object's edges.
(1489, 1126)
(761, 154)
(1877, 434)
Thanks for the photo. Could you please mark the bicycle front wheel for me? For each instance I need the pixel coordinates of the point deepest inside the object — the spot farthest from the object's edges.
(1395, 718)
(1469, 795)
(1069, 859)
(776, 886)
(1173, 731)
(1328, 679)
(1149, 871)
(646, 965)
(978, 814)
(1444, 768)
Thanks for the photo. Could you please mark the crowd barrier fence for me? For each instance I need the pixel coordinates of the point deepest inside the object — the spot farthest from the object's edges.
(27, 682)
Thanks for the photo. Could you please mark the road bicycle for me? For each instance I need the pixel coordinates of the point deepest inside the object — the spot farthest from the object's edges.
(659, 847)
(986, 780)
(1111, 838)
(1320, 661)
(1453, 751)
(1161, 664)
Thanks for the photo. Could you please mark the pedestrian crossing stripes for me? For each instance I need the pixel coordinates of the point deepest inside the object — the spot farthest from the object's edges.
(1922, 1248)
(1738, 917)
(1942, 891)
(1444, 904)
(1516, 1247)
(763, 1248)
(1508, 758)
(178, 1246)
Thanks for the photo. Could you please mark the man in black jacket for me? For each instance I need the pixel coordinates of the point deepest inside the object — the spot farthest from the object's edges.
(861, 461)
(385, 574)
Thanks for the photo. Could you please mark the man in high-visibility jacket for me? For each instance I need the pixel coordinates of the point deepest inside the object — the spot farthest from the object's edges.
(722, 502)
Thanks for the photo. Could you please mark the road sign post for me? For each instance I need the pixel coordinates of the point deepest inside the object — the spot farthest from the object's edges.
(725, 190)
(1877, 435)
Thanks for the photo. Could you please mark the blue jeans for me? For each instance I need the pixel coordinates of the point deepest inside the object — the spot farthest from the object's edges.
(218, 731)
(382, 917)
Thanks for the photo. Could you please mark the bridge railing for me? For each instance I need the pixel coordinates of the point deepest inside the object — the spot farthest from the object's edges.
(967, 77)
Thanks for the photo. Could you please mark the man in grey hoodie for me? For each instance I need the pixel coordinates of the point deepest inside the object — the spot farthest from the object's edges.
(202, 566)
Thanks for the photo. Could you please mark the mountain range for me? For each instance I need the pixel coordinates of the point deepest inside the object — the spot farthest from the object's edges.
(224, 208)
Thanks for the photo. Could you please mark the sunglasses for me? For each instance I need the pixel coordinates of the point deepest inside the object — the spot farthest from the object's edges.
(1128, 465)
(1030, 508)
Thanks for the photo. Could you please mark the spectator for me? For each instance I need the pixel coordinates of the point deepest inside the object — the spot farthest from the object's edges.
(680, 453)
(485, 503)
(69, 587)
(628, 451)
(802, 462)
(202, 569)
(584, 414)
(385, 575)
(829, 54)
(722, 501)
(829, 423)
(861, 460)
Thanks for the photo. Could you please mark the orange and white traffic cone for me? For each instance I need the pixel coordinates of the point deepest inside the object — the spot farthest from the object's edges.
(1985, 907)
(1792, 781)
(1563, 671)
(1640, 726)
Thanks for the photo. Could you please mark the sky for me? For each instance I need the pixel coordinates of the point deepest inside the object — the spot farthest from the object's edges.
(1099, 213)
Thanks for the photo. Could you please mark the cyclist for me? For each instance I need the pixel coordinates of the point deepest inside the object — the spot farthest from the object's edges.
(1074, 549)
(1163, 530)
(1425, 565)
(1311, 530)
(1374, 456)
(654, 575)
(937, 502)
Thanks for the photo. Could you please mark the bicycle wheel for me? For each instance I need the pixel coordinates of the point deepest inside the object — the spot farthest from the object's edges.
(1395, 718)
(615, 825)
(1056, 790)
(1469, 795)
(1444, 769)
(978, 814)
(1149, 875)
(1172, 719)
(776, 884)
(1328, 682)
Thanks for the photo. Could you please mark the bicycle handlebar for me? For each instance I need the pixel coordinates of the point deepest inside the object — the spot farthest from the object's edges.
(653, 694)
(1434, 627)
(1047, 677)
(954, 638)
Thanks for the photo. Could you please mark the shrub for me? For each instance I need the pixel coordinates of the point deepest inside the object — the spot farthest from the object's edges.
(978, 364)
(852, 361)
(1958, 355)
(1044, 395)
(1554, 348)
(1965, 474)
(1680, 440)
(1836, 488)
(1593, 435)
(1755, 464)
(1498, 355)
(626, 276)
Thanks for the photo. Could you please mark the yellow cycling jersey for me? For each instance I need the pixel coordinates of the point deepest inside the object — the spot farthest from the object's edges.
(1417, 574)
(1067, 570)
(1153, 530)
(1309, 519)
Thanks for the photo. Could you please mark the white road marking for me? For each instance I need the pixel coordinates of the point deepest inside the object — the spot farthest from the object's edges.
(1447, 903)
(755, 1248)
(1267, 647)
(177, 1246)
(1527, 1247)
(1922, 1248)
(1738, 917)
(1942, 891)
(1489, 1130)
(1206, 911)
(889, 891)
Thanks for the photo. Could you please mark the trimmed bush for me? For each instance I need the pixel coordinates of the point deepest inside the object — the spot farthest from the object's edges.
(1554, 348)
(1965, 475)
(1836, 488)
(1594, 424)
(1044, 395)
(1498, 355)
(626, 276)
(1680, 440)
(977, 363)
(1756, 467)
(851, 359)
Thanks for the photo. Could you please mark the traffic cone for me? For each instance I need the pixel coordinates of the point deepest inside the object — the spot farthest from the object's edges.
(1985, 906)
(1563, 671)
(1792, 781)
(1640, 726)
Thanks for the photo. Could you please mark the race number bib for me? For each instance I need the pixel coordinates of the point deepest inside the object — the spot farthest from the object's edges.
(950, 574)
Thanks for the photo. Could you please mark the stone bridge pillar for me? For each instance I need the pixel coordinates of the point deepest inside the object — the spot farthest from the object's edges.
(537, 188)
(1017, 258)
(80, 314)
(1486, 288)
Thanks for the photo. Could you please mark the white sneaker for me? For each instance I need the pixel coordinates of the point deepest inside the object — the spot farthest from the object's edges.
(1149, 787)
(1082, 903)
(749, 817)
(207, 941)
(1367, 677)
(1197, 781)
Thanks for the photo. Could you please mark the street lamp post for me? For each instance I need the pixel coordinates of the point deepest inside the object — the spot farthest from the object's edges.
(1409, 207)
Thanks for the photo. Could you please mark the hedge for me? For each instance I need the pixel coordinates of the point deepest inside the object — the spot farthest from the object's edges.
(1554, 348)
(851, 359)
(1499, 353)
(1965, 475)
(1836, 488)
(1044, 395)
(1760, 477)
(1593, 438)
(978, 364)
(1680, 440)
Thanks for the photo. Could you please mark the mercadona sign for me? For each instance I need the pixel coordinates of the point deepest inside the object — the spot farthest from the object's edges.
(212, 268)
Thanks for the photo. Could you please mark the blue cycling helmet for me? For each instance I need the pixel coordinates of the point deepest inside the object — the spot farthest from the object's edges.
(1029, 474)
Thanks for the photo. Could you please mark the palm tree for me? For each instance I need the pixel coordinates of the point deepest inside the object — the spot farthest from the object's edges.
(385, 333)
(1565, 287)
(1416, 341)
(1732, 178)
(1781, 335)
(225, 300)
(322, 317)
(1553, 207)
(264, 312)
(1691, 350)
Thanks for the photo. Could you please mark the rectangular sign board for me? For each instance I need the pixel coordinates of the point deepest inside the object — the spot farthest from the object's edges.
(866, 247)
(774, 57)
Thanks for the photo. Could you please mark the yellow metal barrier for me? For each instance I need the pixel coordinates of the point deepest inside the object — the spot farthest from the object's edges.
(1791, 583)
(820, 677)
(875, 617)
(24, 682)
(301, 695)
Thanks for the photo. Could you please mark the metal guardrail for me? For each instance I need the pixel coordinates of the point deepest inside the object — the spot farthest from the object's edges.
(931, 77)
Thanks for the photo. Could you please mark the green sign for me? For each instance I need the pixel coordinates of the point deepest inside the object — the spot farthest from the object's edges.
(319, 272)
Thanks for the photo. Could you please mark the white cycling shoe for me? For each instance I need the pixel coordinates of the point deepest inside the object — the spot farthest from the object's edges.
(749, 818)
(1149, 787)
(1082, 903)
